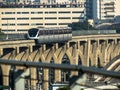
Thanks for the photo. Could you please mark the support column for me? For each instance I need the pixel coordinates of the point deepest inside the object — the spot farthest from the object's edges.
(56, 46)
(1, 51)
(104, 53)
(33, 77)
(13, 54)
(87, 52)
(44, 47)
(74, 59)
(5, 73)
(67, 45)
(57, 75)
(46, 80)
(30, 48)
(17, 50)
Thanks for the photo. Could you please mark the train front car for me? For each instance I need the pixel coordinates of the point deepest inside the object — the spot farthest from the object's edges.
(32, 33)
(54, 35)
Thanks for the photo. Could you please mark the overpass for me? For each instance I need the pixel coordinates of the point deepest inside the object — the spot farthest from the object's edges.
(89, 50)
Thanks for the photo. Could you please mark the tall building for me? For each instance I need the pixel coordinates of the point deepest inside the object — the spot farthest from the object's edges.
(89, 9)
(102, 11)
(21, 19)
(117, 7)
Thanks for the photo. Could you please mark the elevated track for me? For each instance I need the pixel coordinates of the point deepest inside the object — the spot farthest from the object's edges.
(74, 39)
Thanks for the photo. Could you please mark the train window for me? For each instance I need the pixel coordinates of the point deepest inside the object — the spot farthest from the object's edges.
(51, 32)
(62, 31)
(40, 32)
(58, 31)
(46, 32)
(55, 31)
(32, 32)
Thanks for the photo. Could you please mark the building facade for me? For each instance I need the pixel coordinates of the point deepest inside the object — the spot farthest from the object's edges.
(42, 1)
(102, 11)
(22, 19)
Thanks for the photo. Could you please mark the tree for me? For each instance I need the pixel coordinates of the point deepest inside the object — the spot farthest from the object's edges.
(64, 88)
(81, 26)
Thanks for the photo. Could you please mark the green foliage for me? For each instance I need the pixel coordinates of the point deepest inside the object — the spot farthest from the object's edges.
(81, 26)
(64, 88)
(2, 35)
(4, 87)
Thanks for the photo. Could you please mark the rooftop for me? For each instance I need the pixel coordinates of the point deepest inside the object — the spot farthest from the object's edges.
(43, 5)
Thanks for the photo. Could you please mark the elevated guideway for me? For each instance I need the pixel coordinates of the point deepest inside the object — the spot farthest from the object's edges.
(89, 50)
(26, 42)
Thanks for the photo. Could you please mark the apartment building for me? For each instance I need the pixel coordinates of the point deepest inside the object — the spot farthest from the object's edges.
(43, 1)
(15, 20)
(102, 11)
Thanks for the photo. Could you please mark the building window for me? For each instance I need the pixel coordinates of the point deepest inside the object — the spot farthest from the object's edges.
(36, 18)
(4, 24)
(8, 18)
(64, 17)
(22, 18)
(77, 17)
(9, 13)
(34, 24)
(50, 23)
(77, 12)
(64, 11)
(23, 24)
(64, 23)
(25, 12)
(50, 18)
(19, 12)
(36, 12)
(8, 30)
(51, 12)
(21, 30)
(12, 24)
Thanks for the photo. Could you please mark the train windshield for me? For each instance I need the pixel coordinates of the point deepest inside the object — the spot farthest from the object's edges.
(33, 32)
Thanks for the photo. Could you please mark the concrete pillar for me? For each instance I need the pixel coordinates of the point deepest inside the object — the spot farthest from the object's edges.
(57, 75)
(17, 50)
(74, 59)
(101, 56)
(78, 44)
(46, 80)
(1, 51)
(67, 45)
(5, 71)
(104, 53)
(56, 46)
(13, 54)
(33, 77)
(44, 47)
(86, 54)
(31, 48)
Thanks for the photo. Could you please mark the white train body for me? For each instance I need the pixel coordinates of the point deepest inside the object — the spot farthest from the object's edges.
(50, 35)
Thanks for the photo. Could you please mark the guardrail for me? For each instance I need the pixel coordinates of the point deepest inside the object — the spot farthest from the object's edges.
(80, 68)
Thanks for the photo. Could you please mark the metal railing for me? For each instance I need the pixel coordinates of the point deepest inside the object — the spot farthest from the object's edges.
(81, 68)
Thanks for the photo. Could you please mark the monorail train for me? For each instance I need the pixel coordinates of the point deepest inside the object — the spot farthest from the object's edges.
(50, 35)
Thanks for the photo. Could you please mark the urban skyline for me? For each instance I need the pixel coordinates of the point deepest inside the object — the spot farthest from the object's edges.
(96, 11)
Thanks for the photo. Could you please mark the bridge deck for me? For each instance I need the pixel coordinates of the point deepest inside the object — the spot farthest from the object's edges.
(10, 44)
